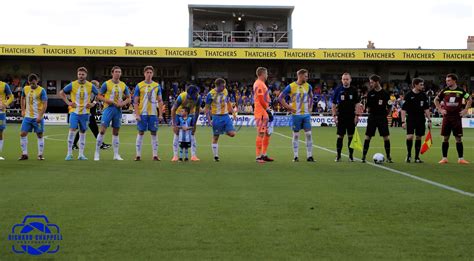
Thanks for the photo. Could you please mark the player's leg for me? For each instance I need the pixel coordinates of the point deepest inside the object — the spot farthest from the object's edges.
(265, 140)
(350, 127)
(39, 130)
(175, 139)
(76, 140)
(26, 126)
(116, 143)
(83, 123)
(1, 143)
(215, 147)
(142, 126)
(261, 130)
(341, 131)
(409, 145)
(446, 130)
(116, 123)
(460, 150)
(138, 145)
(3, 125)
(265, 144)
(186, 152)
(93, 125)
(217, 129)
(73, 126)
(309, 137)
(385, 133)
(181, 151)
(458, 133)
(193, 142)
(419, 133)
(106, 119)
(40, 137)
(296, 127)
(154, 145)
(410, 125)
(153, 128)
(229, 127)
(70, 142)
(369, 133)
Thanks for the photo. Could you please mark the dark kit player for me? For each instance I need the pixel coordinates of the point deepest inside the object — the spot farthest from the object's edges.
(449, 104)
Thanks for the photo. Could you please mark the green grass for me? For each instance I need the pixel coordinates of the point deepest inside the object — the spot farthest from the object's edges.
(237, 209)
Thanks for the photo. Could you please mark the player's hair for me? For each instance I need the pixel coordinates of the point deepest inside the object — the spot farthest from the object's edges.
(453, 76)
(261, 70)
(219, 81)
(115, 68)
(148, 67)
(82, 69)
(301, 71)
(416, 81)
(192, 89)
(32, 77)
(374, 77)
(346, 73)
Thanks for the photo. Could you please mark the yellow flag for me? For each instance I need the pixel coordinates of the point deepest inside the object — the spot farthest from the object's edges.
(356, 143)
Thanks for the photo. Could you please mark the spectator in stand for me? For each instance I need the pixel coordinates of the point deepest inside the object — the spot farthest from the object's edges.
(322, 103)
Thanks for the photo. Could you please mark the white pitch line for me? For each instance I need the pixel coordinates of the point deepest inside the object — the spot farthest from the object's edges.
(436, 184)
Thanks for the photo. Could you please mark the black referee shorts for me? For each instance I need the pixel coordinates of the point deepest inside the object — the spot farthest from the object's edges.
(374, 123)
(416, 126)
(345, 124)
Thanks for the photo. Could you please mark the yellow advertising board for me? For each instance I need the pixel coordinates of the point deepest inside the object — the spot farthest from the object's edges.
(239, 53)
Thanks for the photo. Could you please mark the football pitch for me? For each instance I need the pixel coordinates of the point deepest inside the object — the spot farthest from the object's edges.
(239, 209)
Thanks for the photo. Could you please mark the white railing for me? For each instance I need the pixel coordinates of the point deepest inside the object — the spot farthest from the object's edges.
(240, 39)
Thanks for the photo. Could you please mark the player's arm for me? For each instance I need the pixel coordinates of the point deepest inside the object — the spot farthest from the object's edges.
(437, 103)
(310, 97)
(335, 103)
(44, 98)
(207, 108)
(101, 96)
(282, 99)
(128, 98)
(358, 108)
(159, 98)
(261, 97)
(428, 117)
(8, 93)
(196, 113)
(161, 107)
(468, 99)
(176, 104)
(230, 109)
(136, 100)
(404, 111)
(389, 106)
(63, 96)
(369, 103)
(92, 102)
(23, 103)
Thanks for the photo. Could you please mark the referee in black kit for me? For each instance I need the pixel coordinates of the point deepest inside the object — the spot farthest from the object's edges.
(378, 109)
(344, 112)
(92, 122)
(415, 110)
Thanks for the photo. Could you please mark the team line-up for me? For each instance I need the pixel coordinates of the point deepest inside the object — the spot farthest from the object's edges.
(452, 102)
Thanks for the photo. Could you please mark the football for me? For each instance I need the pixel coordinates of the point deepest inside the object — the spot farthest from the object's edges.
(379, 158)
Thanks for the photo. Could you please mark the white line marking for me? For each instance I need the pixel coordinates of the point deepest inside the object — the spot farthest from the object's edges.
(462, 192)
